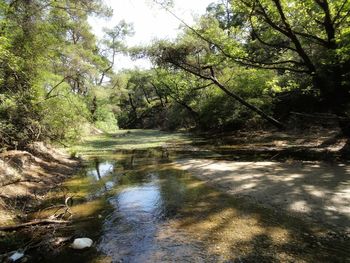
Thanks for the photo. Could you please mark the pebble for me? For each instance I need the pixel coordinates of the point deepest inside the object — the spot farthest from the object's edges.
(16, 256)
(81, 243)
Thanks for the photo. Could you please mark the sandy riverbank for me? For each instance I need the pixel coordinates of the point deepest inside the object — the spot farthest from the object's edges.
(317, 191)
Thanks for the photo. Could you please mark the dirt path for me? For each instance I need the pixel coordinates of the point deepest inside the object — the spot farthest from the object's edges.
(317, 191)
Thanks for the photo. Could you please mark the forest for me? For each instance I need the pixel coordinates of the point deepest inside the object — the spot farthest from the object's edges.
(242, 65)
(232, 146)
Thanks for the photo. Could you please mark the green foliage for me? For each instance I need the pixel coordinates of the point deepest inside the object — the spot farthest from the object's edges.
(49, 66)
(176, 99)
(234, 67)
(106, 120)
(300, 47)
(64, 117)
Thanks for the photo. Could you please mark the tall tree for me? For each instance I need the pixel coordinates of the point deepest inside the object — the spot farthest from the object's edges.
(307, 40)
(45, 46)
(113, 43)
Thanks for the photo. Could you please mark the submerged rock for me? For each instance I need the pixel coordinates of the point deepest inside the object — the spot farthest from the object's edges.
(81, 243)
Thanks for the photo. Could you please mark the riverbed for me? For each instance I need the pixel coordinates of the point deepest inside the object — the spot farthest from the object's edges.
(138, 205)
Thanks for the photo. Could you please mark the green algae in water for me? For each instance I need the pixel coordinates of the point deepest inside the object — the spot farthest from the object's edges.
(104, 145)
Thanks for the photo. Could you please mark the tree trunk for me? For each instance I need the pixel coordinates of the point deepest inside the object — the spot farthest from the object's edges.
(265, 116)
(334, 95)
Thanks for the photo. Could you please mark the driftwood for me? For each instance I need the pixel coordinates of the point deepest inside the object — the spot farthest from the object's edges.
(32, 223)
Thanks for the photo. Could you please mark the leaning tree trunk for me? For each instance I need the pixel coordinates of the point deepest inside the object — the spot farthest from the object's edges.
(334, 95)
(253, 108)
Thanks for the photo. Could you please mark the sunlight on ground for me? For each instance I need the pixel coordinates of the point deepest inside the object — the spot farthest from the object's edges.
(320, 192)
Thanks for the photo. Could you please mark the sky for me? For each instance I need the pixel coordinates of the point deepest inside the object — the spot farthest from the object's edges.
(150, 22)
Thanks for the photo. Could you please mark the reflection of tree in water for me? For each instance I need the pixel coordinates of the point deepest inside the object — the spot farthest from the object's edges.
(132, 159)
(165, 154)
(173, 192)
(97, 163)
(97, 167)
(105, 171)
(128, 160)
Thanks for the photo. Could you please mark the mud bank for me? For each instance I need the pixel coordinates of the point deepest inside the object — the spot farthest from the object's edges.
(27, 176)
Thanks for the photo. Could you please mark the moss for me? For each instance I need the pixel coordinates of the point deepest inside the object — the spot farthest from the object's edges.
(127, 140)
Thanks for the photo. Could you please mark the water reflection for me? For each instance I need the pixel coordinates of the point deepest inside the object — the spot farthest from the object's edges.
(146, 199)
(138, 229)
(109, 185)
(101, 169)
(130, 231)
(146, 207)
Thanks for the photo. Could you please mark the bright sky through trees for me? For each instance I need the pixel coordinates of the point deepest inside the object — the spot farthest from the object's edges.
(150, 22)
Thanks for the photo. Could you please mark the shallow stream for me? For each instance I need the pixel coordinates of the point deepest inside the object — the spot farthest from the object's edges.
(137, 207)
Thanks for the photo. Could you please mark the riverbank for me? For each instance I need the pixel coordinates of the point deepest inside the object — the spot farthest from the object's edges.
(312, 144)
(317, 192)
(27, 176)
(303, 174)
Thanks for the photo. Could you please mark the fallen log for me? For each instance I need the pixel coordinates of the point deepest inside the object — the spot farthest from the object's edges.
(32, 223)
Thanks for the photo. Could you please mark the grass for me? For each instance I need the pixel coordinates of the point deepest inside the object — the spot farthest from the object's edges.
(127, 140)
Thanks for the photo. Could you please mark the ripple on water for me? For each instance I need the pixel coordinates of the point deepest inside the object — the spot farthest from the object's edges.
(131, 229)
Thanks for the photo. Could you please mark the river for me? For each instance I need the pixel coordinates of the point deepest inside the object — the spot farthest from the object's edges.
(138, 207)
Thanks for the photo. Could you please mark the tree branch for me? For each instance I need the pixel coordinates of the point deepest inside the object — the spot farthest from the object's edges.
(256, 35)
(337, 16)
(293, 38)
(328, 24)
(215, 81)
(54, 87)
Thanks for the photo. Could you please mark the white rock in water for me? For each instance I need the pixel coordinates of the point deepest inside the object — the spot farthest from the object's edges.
(81, 243)
(16, 256)
(109, 185)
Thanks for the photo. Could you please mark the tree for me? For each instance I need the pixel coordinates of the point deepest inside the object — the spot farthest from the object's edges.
(222, 11)
(276, 35)
(46, 47)
(113, 43)
(304, 37)
(182, 88)
(199, 59)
